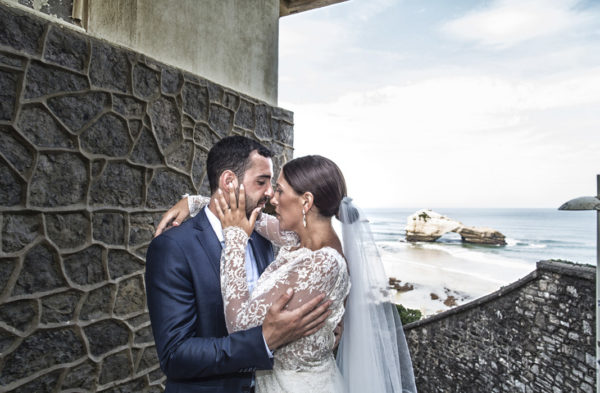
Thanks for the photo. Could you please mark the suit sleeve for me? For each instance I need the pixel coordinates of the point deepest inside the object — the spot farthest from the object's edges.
(171, 303)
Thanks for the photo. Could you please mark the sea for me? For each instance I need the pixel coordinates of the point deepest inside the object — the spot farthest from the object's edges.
(448, 272)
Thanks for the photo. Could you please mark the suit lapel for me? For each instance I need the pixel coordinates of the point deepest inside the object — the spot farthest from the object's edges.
(209, 241)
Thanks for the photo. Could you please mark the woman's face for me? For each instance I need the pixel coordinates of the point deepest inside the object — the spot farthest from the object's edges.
(288, 205)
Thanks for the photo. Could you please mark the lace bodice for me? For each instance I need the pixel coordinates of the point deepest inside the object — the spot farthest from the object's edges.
(309, 273)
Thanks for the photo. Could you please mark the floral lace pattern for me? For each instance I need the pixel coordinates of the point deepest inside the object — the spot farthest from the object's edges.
(308, 363)
(266, 225)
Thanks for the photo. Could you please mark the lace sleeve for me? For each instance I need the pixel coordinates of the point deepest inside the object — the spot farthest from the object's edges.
(268, 227)
(196, 203)
(309, 274)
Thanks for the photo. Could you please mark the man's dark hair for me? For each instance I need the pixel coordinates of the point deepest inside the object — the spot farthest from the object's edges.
(231, 153)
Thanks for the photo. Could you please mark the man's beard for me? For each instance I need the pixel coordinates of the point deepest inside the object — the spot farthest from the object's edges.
(251, 204)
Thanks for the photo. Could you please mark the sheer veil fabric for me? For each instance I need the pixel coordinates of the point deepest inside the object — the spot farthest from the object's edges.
(373, 355)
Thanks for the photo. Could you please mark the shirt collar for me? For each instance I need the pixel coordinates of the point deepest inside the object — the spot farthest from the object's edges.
(215, 223)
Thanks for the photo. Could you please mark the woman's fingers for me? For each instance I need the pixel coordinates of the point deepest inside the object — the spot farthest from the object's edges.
(232, 199)
(242, 199)
(254, 216)
(219, 200)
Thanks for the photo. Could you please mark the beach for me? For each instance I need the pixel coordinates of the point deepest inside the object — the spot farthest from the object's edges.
(447, 272)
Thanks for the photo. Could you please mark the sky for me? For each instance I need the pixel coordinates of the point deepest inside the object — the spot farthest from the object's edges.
(433, 104)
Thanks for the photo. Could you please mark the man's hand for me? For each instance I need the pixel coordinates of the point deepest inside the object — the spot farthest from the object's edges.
(173, 217)
(282, 326)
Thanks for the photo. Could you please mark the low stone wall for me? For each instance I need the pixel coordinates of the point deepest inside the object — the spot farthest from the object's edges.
(535, 335)
(95, 142)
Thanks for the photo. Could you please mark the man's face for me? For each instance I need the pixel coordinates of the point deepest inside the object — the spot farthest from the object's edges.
(257, 182)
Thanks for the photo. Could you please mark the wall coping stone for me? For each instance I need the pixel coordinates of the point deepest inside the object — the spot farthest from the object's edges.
(586, 272)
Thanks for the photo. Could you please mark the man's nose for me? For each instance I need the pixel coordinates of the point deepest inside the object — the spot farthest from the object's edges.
(269, 192)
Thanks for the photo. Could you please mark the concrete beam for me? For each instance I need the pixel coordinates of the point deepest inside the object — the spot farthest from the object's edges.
(288, 7)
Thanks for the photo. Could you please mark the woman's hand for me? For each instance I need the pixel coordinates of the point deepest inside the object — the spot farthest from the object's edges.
(177, 214)
(234, 214)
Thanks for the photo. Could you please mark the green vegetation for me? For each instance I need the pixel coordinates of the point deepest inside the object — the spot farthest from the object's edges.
(408, 315)
(424, 216)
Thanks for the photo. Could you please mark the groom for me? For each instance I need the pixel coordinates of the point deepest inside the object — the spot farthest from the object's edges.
(184, 294)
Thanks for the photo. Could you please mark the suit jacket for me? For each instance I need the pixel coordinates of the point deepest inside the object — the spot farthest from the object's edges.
(186, 310)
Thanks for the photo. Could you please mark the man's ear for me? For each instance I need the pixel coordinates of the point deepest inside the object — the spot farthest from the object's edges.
(226, 179)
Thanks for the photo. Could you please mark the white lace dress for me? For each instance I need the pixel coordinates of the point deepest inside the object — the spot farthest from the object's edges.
(305, 365)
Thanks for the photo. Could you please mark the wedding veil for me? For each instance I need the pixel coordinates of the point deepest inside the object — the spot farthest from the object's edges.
(373, 355)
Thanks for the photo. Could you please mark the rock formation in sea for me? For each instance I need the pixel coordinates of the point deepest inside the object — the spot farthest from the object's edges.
(428, 226)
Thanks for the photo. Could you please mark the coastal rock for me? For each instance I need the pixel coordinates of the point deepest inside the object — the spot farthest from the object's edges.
(428, 226)
(481, 235)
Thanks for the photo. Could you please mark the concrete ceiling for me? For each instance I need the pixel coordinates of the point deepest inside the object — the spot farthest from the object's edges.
(288, 7)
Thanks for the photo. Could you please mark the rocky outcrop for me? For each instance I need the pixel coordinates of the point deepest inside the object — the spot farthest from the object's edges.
(428, 226)
(481, 235)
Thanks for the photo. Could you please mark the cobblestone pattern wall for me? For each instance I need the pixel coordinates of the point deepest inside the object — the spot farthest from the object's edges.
(536, 335)
(95, 142)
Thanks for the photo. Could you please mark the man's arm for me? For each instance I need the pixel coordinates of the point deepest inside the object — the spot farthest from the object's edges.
(171, 302)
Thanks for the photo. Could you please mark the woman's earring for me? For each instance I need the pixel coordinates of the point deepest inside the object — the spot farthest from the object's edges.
(304, 218)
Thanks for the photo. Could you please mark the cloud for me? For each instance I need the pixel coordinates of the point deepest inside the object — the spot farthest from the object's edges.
(487, 141)
(506, 23)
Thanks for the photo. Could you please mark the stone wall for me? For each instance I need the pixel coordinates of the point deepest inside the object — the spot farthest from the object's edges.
(535, 335)
(95, 142)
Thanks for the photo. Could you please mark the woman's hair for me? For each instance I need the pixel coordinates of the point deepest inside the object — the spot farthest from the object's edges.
(319, 176)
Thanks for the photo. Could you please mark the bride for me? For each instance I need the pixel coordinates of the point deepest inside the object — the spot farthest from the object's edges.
(372, 355)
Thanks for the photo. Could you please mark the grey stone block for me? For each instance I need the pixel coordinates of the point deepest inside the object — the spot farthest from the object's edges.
(19, 230)
(59, 179)
(195, 101)
(109, 227)
(122, 263)
(166, 188)
(43, 79)
(244, 117)
(146, 81)
(11, 60)
(146, 149)
(7, 266)
(60, 307)
(16, 150)
(120, 184)
(68, 230)
(40, 272)
(109, 135)
(109, 67)
(8, 93)
(41, 129)
(86, 267)
(166, 121)
(21, 32)
(128, 106)
(106, 335)
(41, 350)
(220, 120)
(263, 122)
(182, 156)
(131, 296)
(98, 303)
(11, 186)
(115, 367)
(65, 48)
(20, 314)
(171, 81)
(83, 376)
(76, 110)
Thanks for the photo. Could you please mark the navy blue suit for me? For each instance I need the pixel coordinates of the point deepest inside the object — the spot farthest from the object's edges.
(186, 310)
